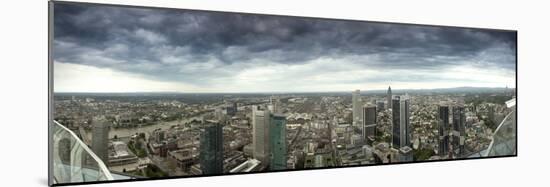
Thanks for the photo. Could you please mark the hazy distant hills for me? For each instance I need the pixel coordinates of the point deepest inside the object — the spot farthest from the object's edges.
(445, 90)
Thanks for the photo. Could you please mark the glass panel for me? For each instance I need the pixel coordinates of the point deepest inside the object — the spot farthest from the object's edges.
(504, 139)
(73, 161)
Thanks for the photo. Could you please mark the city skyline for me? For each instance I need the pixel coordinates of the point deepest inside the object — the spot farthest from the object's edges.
(164, 93)
(100, 49)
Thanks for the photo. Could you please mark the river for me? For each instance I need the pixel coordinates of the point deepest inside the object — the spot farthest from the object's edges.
(126, 132)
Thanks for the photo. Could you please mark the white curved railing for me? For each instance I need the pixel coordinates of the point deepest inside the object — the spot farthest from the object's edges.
(73, 161)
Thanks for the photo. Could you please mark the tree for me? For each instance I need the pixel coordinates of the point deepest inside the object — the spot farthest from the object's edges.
(423, 154)
(142, 136)
(138, 144)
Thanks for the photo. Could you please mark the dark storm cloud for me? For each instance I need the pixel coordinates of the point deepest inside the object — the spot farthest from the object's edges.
(192, 45)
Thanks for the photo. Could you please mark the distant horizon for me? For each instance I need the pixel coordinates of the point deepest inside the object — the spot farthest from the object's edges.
(362, 91)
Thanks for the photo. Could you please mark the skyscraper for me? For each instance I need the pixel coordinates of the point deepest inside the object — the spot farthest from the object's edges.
(400, 122)
(459, 129)
(219, 115)
(389, 98)
(380, 105)
(231, 108)
(396, 142)
(235, 107)
(274, 104)
(271, 106)
(491, 112)
(405, 126)
(459, 119)
(260, 134)
(356, 102)
(211, 148)
(277, 139)
(443, 122)
(369, 122)
(100, 138)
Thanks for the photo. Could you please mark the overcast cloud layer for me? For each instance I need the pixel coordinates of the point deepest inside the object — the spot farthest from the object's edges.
(116, 49)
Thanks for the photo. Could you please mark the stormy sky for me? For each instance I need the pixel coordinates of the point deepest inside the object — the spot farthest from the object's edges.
(123, 49)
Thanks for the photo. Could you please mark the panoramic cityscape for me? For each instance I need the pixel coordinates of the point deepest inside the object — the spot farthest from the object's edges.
(151, 93)
(171, 134)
